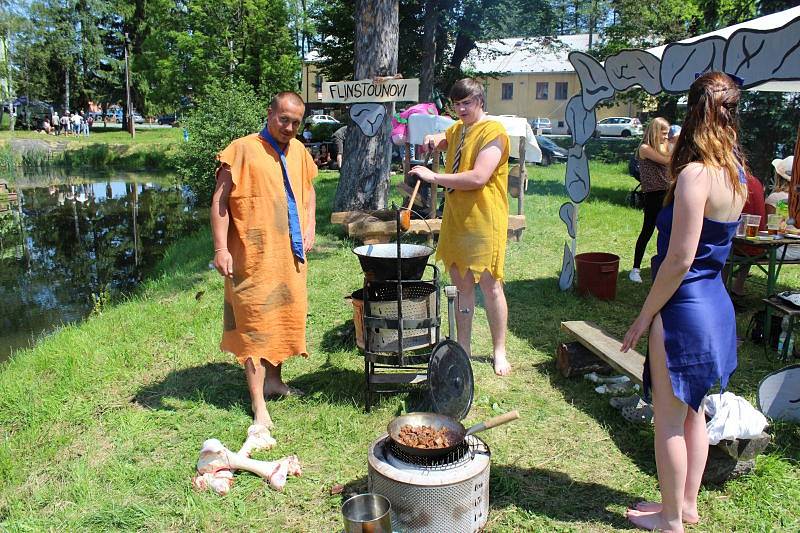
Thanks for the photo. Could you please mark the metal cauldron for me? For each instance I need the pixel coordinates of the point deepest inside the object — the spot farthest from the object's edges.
(379, 261)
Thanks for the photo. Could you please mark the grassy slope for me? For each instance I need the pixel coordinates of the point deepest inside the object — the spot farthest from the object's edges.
(101, 423)
(104, 148)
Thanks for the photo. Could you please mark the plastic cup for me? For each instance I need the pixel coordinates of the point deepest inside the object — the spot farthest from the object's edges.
(752, 223)
(774, 223)
(740, 229)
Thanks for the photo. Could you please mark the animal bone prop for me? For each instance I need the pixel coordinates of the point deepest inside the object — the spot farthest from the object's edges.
(216, 464)
(258, 438)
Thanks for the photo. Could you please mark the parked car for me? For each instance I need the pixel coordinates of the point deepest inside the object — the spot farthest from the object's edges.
(542, 124)
(321, 119)
(171, 120)
(137, 118)
(618, 127)
(551, 152)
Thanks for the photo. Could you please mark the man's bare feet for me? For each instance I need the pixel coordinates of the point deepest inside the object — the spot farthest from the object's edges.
(279, 389)
(690, 516)
(261, 416)
(652, 521)
(501, 365)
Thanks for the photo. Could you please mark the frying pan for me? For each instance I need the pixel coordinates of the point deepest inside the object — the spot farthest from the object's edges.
(437, 422)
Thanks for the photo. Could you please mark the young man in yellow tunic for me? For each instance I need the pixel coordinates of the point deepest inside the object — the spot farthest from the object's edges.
(472, 241)
(262, 221)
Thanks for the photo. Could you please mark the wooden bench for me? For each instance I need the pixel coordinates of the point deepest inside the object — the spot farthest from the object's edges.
(606, 348)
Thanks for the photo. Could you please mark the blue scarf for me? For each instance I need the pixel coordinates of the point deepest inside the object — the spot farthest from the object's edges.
(295, 233)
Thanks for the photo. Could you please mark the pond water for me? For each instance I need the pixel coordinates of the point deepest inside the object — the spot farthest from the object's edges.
(69, 241)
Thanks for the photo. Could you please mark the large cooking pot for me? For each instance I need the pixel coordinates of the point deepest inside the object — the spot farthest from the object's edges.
(437, 422)
(379, 261)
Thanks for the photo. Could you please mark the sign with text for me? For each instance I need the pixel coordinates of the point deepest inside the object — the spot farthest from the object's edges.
(348, 92)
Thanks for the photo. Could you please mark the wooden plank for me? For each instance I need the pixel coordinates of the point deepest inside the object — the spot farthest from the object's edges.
(606, 348)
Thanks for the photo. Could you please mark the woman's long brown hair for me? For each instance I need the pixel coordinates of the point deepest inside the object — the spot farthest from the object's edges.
(709, 134)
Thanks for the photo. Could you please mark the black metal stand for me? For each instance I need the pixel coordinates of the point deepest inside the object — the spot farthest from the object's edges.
(392, 368)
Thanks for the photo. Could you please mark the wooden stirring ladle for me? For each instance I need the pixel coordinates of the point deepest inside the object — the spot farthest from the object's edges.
(405, 214)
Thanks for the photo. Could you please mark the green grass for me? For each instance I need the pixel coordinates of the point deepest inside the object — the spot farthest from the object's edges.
(100, 424)
(151, 149)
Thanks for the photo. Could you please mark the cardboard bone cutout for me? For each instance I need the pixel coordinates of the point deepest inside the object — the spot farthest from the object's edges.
(680, 62)
(567, 215)
(368, 117)
(581, 122)
(759, 56)
(567, 270)
(634, 67)
(577, 178)
(595, 86)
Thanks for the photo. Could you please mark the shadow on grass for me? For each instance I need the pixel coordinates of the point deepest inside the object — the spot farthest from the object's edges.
(537, 309)
(219, 384)
(556, 495)
(542, 493)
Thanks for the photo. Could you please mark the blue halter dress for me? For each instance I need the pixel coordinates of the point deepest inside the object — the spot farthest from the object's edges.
(699, 322)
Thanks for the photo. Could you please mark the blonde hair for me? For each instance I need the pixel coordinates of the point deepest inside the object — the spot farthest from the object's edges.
(709, 132)
(652, 137)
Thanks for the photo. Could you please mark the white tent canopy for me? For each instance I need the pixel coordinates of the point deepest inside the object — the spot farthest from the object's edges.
(767, 22)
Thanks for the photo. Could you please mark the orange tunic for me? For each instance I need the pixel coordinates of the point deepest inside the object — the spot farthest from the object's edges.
(266, 301)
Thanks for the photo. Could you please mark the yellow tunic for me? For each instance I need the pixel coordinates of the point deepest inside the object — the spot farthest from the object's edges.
(475, 223)
(266, 301)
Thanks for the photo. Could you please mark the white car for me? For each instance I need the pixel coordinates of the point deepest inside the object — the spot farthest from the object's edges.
(542, 124)
(321, 119)
(618, 127)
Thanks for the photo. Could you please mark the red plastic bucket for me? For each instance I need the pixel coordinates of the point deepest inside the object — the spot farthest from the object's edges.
(597, 274)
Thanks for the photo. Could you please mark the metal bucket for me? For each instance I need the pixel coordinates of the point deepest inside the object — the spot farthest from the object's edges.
(367, 513)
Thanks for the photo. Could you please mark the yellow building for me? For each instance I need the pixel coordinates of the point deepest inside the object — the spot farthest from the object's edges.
(533, 78)
(311, 79)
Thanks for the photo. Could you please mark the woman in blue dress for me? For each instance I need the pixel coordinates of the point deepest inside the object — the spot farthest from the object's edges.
(692, 341)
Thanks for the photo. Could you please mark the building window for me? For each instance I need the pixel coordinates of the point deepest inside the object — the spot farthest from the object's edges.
(508, 91)
(562, 87)
(542, 88)
(318, 83)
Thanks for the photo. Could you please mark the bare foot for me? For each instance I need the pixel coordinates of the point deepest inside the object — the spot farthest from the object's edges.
(279, 389)
(652, 522)
(690, 516)
(261, 417)
(501, 365)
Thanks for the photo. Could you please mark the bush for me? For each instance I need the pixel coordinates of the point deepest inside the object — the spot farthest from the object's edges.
(226, 112)
(605, 150)
(323, 131)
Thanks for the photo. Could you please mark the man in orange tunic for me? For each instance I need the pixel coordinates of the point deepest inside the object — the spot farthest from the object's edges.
(262, 221)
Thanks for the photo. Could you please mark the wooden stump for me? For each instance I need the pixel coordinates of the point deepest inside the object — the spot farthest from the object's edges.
(573, 359)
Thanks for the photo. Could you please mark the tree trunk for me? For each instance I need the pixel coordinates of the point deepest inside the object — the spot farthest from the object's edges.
(364, 181)
(428, 51)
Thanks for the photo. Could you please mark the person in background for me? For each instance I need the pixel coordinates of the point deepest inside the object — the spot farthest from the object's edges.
(653, 154)
(323, 158)
(307, 135)
(338, 139)
(692, 340)
(263, 225)
(778, 201)
(76, 123)
(56, 122)
(65, 123)
(473, 237)
(753, 206)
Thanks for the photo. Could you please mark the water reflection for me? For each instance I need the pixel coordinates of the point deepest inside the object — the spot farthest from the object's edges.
(67, 242)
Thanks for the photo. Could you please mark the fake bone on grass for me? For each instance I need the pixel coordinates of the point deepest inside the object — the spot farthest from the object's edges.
(216, 464)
